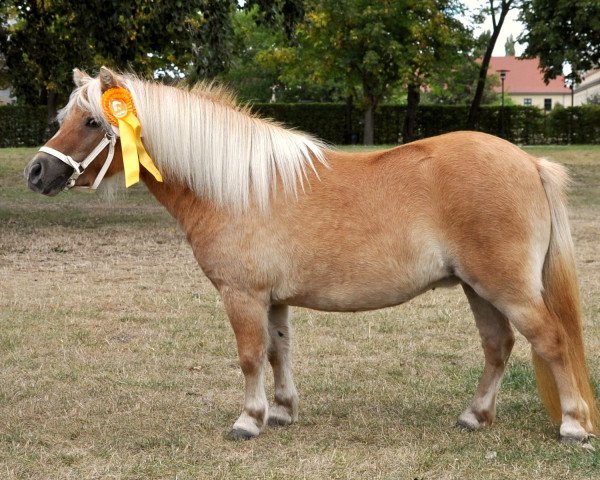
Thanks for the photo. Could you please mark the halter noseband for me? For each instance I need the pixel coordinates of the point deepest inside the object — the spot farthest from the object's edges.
(78, 168)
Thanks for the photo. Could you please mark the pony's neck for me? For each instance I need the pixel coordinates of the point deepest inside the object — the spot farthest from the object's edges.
(193, 213)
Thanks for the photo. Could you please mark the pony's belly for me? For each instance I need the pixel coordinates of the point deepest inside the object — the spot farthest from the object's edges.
(355, 299)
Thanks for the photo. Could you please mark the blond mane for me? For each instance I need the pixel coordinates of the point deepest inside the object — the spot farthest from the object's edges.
(205, 139)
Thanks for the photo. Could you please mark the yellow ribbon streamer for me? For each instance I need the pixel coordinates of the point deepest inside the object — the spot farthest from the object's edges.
(117, 105)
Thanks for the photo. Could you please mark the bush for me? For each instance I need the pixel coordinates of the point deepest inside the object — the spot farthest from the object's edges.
(575, 125)
(325, 120)
(338, 123)
(22, 126)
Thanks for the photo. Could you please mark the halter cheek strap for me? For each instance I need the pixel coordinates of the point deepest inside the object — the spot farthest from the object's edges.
(78, 168)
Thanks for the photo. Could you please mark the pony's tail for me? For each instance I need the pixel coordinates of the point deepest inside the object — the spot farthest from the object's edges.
(561, 296)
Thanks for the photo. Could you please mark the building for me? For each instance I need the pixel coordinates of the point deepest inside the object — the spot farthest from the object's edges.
(588, 88)
(524, 83)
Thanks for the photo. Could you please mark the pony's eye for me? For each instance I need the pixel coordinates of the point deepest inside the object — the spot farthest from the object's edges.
(92, 123)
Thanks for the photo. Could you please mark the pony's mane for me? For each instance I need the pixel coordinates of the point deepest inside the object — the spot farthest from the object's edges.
(205, 139)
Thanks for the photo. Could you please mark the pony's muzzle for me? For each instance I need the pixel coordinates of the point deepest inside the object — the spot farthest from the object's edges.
(45, 174)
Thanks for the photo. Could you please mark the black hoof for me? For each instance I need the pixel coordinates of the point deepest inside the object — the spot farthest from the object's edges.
(465, 426)
(277, 422)
(572, 439)
(239, 434)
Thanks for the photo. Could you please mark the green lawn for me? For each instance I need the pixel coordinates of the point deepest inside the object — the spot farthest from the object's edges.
(118, 361)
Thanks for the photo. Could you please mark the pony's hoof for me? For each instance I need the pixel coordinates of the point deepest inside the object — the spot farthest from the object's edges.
(278, 421)
(238, 434)
(468, 421)
(279, 417)
(572, 432)
(469, 427)
(573, 438)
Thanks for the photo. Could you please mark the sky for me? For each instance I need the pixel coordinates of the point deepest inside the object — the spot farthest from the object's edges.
(511, 26)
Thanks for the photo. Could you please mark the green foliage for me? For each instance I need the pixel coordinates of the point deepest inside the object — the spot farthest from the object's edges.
(22, 126)
(278, 14)
(357, 43)
(524, 125)
(575, 124)
(258, 59)
(509, 46)
(251, 80)
(43, 40)
(323, 119)
(457, 87)
(338, 124)
(593, 99)
(40, 44)
(361, 49)
(439, 43)
(559, 31)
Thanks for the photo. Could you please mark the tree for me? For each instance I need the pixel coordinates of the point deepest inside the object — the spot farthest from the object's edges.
(40, 46)
(509, 46)
(356, 45)
(262, 64)
(252, 78)
(593, 99)
(559, 31)
(42, 40)
(278, 14)
(498, 14)
(438, 45)
(457, 86)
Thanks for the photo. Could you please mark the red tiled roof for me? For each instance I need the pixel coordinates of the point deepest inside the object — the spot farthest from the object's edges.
(525, 76)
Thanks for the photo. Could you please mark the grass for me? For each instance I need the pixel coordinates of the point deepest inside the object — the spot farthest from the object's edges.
(118, 360)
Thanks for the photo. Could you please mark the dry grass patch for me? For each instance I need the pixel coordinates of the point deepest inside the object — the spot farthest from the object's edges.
(118, 361)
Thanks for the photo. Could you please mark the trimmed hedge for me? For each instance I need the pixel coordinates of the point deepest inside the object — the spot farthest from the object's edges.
(23, 126)
(525, 125)
(337, 123)
(575, 125)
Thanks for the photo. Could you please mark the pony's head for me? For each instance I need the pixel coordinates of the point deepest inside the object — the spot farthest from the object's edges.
(83, 150)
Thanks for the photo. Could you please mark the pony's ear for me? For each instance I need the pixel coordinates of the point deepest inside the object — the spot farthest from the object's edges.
(79, 77)
(108, 79)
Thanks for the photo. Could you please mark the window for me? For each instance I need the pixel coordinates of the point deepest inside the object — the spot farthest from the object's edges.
(547, 104)
(527, 102)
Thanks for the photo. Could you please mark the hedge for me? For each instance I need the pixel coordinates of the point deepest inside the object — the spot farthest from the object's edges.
(337, 123)
(23, 126)
(525, 125)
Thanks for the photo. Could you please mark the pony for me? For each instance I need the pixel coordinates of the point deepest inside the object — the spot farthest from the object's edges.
(277, 219)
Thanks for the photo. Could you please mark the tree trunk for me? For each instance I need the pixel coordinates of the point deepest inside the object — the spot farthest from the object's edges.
(349, 134)
(368, 132)
(485, 63)
(413, 99)
(51, 105)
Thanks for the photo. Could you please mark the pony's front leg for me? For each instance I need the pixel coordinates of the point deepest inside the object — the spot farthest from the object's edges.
(285, 409)
(248, 316)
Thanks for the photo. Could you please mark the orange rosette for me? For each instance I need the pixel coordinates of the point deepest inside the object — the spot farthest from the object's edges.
(116, 103)
(119, 110)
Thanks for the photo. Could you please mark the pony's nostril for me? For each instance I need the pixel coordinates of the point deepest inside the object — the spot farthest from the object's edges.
(35, 172)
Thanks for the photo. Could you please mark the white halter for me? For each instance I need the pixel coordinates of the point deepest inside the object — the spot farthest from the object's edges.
(78, 168)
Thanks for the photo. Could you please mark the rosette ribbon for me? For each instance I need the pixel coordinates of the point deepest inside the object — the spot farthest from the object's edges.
(118, 107)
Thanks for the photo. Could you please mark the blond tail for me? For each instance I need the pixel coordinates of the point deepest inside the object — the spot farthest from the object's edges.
(561, 295)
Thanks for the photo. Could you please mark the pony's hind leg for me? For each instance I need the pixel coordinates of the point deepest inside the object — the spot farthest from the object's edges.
(497, 340)
(285, 409)
(248, 317)
(548, 340)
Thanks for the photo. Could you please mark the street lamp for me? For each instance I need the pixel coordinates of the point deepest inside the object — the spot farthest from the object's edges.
(502, 73)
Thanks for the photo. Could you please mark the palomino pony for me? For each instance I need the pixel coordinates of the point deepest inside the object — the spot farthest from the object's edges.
(275, 219)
